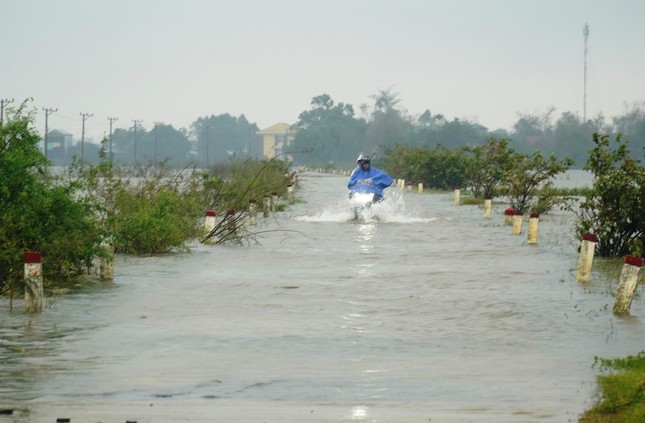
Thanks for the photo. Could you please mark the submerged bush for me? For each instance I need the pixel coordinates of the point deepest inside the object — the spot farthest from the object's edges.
(613, 209)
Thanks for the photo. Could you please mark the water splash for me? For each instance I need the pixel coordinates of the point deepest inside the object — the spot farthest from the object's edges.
(392, 209)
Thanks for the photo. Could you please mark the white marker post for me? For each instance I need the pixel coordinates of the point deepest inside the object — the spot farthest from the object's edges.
(420, 188)
(508, 215)
(209, 224)
(627, 284)
(34, 292)
(488, 206)
(518, 217)
(534, 220)
(456, 194)
(290, 193)
(266, 206)
(585, 260)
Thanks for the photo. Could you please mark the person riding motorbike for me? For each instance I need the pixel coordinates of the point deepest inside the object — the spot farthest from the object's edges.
(366, 178)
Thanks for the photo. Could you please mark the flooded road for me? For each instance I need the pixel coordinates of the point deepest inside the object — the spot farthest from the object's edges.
(428, 312)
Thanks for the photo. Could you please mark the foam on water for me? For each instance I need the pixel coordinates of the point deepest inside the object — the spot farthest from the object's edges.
(392, 209)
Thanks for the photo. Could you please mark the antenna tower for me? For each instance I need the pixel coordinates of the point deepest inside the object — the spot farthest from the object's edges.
(585, 32)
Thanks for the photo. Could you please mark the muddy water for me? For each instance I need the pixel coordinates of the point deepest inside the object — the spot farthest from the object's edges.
(424, 312)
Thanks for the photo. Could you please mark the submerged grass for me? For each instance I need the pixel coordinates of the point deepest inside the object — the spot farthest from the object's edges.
(622, 392)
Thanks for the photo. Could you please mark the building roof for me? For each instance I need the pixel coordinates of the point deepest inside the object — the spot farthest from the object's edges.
(277, 129)
(58, 132)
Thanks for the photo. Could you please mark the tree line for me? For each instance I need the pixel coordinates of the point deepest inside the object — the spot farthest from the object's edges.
(335, 133)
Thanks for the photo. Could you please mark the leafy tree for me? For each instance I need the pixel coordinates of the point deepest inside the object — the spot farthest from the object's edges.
(458, 133)
(330, 131)
(163, 143)
(614, 207)
(220, 137)
(533, 132)
(489, 166)
(631, 126)
(530, 178)
(388, 125)
(572, 138)
(39, 214)
(439, 168)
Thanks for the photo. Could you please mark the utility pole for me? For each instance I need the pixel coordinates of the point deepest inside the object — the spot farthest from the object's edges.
(585, 33)
(156, 129)
(85, 116)
(112, 120)
(3, 102)
(208, 139)
(48, 111)
(136, 122)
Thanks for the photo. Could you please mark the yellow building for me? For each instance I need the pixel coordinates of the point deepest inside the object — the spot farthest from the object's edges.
(275, 139)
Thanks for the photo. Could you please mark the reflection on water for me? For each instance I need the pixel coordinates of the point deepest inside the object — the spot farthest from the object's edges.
(427, 312)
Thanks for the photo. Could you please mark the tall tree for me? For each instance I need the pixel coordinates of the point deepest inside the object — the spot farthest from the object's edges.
(330, 132)
(389, 125)
(221, 137)
(38, 213)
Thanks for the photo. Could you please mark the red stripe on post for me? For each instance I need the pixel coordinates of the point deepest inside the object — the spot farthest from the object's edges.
(589, 237)
(535, 215)
(509, 212)
(634, 261)
(518, 212)
(210, 213)
(32, 257)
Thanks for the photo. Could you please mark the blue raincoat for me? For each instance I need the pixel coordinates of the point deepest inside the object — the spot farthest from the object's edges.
(370, 180)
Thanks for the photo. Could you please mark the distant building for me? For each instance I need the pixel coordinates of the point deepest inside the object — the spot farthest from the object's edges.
(58, 142)
(274, 139)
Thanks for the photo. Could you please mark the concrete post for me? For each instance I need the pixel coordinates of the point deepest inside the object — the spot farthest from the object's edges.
(585, 260)
(488, 206)
(518, 216)
(266, 206)
(274, 201)
(534, 220)
(627, 284)
(209, 224)
(420, 188)
(456, 194)
(34, 292)
(508, 215)
(290, 193)
(409, 185)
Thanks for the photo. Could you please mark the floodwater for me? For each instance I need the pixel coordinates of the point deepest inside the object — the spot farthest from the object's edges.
(425, 312)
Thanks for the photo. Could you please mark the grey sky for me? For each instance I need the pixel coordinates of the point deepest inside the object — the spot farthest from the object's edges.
(173, 61)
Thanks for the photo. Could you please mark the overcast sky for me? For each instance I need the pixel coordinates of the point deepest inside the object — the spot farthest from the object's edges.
(174, 61)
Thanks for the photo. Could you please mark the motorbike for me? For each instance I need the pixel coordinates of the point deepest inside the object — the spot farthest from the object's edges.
(361, 201)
